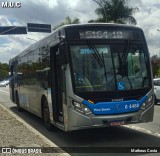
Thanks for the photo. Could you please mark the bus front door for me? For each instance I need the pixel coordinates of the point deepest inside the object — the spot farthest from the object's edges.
(56, 89)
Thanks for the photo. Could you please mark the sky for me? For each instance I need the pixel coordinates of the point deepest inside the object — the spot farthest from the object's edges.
(54, 11)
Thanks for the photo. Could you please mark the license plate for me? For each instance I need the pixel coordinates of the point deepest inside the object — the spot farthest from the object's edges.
(117, 123)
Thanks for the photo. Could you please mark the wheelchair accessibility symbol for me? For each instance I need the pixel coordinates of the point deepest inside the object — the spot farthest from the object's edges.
(121, 85)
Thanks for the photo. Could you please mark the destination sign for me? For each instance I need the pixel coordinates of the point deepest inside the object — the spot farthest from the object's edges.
(105, 34)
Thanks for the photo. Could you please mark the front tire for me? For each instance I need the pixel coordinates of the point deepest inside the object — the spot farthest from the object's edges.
(46, 115)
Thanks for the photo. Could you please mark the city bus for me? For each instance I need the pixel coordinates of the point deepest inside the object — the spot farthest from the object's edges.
(85, 76)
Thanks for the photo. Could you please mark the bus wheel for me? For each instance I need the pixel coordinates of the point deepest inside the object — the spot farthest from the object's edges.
(17, 102)
(46, 115)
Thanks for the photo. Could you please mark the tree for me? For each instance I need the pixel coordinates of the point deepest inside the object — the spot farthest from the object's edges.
(67, 21)
(4, 70)
(155, 61)
(116, 11)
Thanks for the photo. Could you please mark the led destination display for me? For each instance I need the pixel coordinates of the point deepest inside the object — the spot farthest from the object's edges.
(108, 34)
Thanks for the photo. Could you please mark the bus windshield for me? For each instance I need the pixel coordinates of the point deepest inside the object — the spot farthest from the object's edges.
(109, 67)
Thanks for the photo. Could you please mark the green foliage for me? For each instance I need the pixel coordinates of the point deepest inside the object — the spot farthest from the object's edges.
(4, 69)
(68, 21)
(158, 73)
(115, 11)
(155, 61)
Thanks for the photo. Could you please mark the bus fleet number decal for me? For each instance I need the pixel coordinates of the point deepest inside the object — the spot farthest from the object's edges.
(132, 106)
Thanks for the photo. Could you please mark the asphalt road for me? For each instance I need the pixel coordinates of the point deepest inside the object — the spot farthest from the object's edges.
(138, 136)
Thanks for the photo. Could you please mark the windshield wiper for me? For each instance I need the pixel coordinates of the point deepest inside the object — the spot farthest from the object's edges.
(96, 54)
(124, 55)
(123, 61)
(98, 57)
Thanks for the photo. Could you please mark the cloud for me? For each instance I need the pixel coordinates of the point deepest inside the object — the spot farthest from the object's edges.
(4, 21)
(14, 44)
(11, 45)
(40, 11)
(54, 11)
(148, 19)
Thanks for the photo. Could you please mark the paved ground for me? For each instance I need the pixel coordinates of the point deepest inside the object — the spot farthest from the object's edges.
(15, 133)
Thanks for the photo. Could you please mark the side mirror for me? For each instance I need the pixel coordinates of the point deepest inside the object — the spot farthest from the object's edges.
(63, 54)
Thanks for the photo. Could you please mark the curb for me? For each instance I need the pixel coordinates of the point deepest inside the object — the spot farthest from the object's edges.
(30, 128)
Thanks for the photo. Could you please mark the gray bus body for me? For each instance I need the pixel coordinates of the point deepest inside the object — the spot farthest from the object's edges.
(85, 76)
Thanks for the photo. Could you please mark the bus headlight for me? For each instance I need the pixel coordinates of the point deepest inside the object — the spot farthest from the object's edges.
(86, 110)
(81, 108)
(147, 103)
(143, 107)
(77, 106)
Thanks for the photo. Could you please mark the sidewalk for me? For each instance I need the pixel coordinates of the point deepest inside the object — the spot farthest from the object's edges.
(15, 133)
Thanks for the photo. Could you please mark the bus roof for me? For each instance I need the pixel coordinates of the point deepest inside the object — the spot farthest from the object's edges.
(51, 39)
(100, 24)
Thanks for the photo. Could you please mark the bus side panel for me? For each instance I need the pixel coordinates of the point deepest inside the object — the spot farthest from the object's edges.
(11, 84)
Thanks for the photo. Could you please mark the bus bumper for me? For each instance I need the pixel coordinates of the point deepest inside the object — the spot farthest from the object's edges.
(77, 121)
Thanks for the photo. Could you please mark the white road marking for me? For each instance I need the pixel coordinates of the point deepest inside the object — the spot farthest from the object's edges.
(4, 91)
(142, 130)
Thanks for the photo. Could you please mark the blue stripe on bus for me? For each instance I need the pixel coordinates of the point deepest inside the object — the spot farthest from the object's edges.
(115, 107)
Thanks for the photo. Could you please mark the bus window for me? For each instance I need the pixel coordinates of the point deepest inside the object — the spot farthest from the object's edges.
(137, 70)
(43, 77)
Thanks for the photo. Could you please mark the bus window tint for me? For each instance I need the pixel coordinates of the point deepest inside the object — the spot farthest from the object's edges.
(137, 70)
(89, 75)
(103, 67)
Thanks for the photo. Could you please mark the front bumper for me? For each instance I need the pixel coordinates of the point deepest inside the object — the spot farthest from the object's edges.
(77, 121)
